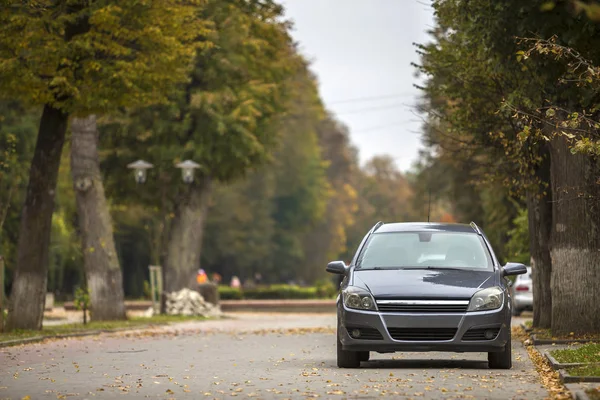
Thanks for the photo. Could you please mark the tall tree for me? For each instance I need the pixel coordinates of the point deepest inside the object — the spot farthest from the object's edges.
(102, 270)
(72, 61)
(468, 125)
(237, 89)
(483, 40)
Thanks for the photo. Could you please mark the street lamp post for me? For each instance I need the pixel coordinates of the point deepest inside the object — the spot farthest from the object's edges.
(140, 170)
(187, 170)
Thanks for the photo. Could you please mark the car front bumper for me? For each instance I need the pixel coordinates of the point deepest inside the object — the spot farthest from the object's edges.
(461, 322)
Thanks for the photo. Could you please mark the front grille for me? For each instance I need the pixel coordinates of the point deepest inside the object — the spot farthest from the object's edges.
(366, 333)
(422, 334)
(423, 306)
(479, 333)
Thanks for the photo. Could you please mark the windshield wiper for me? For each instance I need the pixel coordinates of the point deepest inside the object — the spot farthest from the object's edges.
(435, 268)
(413, 268)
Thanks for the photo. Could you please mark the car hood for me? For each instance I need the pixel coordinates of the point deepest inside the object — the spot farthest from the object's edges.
(423, 283)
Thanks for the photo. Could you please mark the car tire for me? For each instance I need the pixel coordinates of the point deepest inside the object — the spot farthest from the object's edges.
(516, 312)
(364, 355)
(345, 358)
(501, 359)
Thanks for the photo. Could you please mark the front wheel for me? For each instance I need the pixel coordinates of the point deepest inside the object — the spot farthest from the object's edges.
(345, 358)
(364, 355)
(501, 359)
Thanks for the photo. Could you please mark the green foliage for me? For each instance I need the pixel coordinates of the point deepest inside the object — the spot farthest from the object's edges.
(591, 9)
(517, 248)
(277, 292)
(326, 288)
(66, 259)
(229, 91)
(586, 370)
(237, 88)
(223, 118)
(91, 57)
(147, 290)
(281, 292)
(239, 229)
(82, 299)
(227, 118)
(494, 98)
(229, 293)
(17, 138)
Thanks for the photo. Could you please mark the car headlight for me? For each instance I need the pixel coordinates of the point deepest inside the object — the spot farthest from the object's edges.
(358, 298)
(487, 299)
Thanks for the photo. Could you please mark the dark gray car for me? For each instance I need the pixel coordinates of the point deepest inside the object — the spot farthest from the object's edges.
(424, 287)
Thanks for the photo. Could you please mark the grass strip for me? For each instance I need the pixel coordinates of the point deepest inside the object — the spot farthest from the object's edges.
(546, 334)
(587, 353)
(585, 370)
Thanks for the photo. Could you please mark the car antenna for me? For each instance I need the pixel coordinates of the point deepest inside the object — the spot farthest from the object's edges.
(429, 207)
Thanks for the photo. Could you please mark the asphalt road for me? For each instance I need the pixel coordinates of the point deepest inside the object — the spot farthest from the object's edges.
(252, 356)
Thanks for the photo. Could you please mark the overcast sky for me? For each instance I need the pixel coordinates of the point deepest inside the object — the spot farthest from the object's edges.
(362, 49)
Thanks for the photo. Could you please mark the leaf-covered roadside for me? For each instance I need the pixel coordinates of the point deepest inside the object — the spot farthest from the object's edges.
(548, 376)
(136, 322)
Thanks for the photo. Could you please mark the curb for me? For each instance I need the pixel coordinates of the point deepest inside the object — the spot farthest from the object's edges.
(539, 342)
(580, 395)
(130, 305)
(566, 378)
(557, 365)
(525, 328)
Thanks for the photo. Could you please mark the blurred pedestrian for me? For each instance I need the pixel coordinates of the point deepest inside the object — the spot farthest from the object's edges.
(216, 278)
(201, 277)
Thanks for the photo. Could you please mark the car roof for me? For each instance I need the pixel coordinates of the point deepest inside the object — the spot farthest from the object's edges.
(426, 227)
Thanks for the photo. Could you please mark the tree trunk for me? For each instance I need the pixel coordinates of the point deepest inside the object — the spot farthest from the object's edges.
(29, 286)
(103, 273)
(539, 207)
(575, 241)
(185, 239)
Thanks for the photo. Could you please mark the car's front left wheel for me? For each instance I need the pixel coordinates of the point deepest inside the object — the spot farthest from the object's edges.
(501, 359)
(364, 355)
(345, 358)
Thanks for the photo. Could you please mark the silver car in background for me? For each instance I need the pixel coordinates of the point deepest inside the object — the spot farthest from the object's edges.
(522, 293)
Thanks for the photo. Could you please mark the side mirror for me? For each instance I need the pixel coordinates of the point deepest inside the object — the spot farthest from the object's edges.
(511, 269)
(337, 267)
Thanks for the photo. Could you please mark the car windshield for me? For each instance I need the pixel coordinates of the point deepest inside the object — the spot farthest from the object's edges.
(425, 250)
